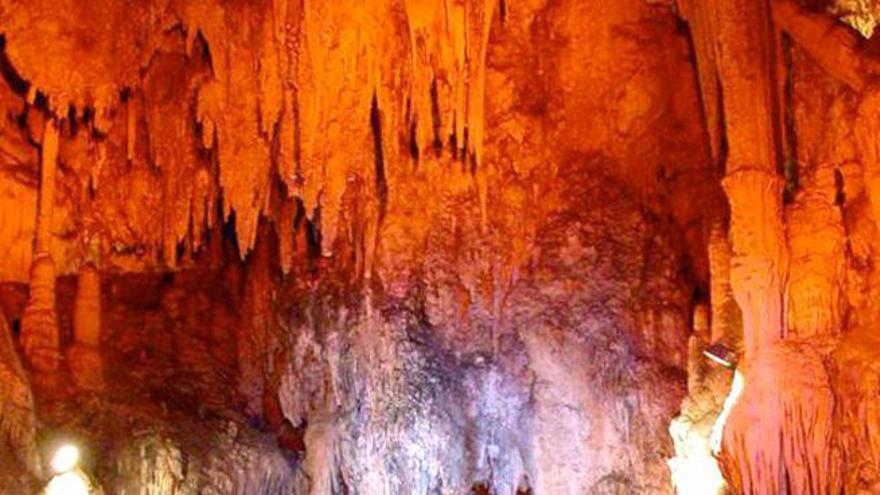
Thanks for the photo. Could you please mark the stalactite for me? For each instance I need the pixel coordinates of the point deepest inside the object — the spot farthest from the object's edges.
(48, 172)
(286, 243)
(84, 357)
(170, 85)
(427, 38)
(239, 106)
(335, 65)
(276, 118)
(221, 95)
(700, 17)
(448, 43)
(40, 338)
(479, 22)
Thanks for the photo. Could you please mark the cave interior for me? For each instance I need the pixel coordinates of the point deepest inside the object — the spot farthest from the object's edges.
(439, 247)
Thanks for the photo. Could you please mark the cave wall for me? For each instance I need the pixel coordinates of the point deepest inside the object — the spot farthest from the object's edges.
(377, 247)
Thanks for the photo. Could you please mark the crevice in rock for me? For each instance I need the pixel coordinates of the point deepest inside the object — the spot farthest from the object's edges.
(379, 156)
(839, 190)
(435, 118)
(12, 78)
(481, 488)
(790, 153)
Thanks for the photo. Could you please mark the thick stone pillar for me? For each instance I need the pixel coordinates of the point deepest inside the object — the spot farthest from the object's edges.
(776, 439)
(757, 266)
(40, 339)
(746, 63)
(776, 434)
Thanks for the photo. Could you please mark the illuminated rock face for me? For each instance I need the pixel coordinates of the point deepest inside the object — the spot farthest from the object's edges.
(564, 391)
(428, 246)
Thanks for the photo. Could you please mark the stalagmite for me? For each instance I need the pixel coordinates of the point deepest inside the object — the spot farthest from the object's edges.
(700, 16)
(694, 469)
(84, 356)
(726, 318)
(40, 338)
(697, 343)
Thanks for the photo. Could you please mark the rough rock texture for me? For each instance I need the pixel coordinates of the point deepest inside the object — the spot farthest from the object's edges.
(793, 428)
(440, 400)
(440, 246)
(18, 422)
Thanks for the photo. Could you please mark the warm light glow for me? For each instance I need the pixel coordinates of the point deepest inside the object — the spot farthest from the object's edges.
(65, 459)
(69, 483)
(718, 428)
(696, 475)
(694, 470)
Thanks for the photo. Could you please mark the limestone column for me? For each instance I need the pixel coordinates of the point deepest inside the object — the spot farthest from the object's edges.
(84, 357)
(40, 338)
(744, 49)
(776, 438)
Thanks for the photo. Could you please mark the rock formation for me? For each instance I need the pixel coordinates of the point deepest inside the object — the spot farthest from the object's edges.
(441, 246)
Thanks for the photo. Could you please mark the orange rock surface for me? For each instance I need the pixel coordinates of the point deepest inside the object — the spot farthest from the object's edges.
(440, 246)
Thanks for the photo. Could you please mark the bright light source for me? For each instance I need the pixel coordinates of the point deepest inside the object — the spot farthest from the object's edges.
(722, 355)
(718, 428)
(697, 475)
(69, 483)
(65, 459)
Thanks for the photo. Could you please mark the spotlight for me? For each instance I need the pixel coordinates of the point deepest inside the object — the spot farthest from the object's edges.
(65, 459)
(721, 354)
(69, 483)
(69, 479)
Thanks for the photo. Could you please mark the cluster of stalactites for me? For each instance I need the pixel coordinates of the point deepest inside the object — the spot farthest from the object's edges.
(270, 90)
